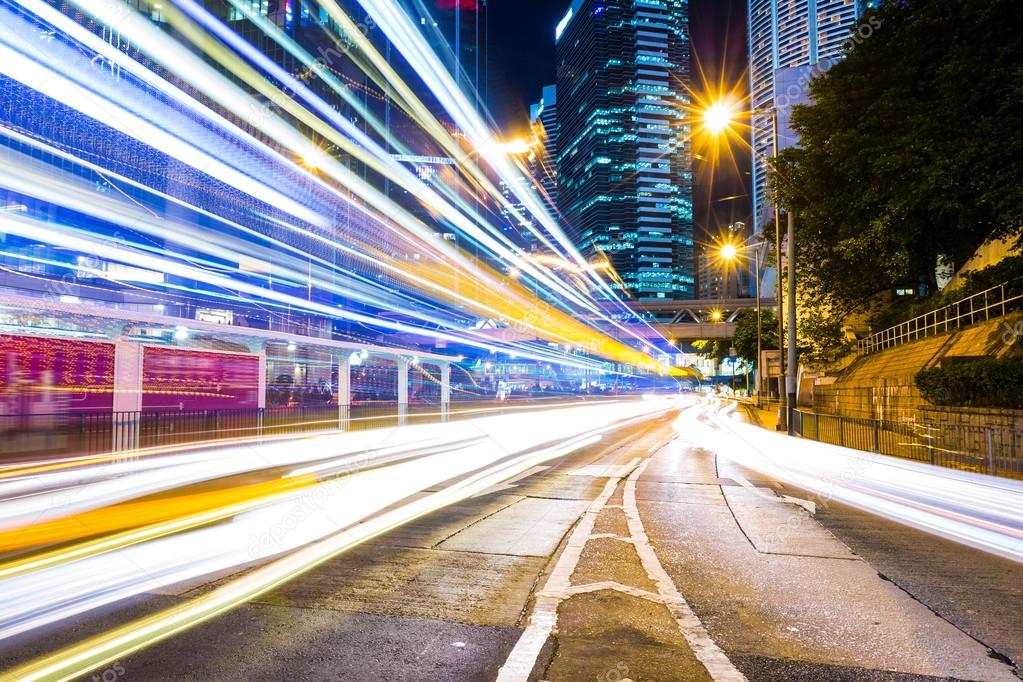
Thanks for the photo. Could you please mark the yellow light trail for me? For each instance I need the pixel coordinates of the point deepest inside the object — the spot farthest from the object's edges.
(211, 511)
(94, 652)
(126, 515)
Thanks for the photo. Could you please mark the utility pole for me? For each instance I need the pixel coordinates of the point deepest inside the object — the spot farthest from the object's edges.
(783, 416)
(793, 365)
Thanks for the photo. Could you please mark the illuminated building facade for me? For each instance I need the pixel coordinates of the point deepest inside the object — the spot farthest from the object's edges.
(543, 173)
(790, 42)
(543, 163)
(624, 162)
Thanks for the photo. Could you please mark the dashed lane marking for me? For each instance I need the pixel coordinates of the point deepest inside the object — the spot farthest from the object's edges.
(520, 662)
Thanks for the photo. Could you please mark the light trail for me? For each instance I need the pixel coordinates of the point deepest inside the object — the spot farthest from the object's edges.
(101, 650)
(973, 509)
(412, 44)
(190, 128)
(461, 458)
(53, 83)
(49, 233)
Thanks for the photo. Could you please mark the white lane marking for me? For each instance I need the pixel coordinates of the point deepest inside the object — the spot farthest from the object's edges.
(523, 657)
(699, 640)
(617, 587)
(612, 536)
(606, 470)
(658, 446)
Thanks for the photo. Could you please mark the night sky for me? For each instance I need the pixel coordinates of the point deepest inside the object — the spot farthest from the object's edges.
(522, 62)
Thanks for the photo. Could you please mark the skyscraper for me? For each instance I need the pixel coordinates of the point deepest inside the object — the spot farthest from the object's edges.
(624, 166)
(790, 42)
(457, 31)
(543, 117)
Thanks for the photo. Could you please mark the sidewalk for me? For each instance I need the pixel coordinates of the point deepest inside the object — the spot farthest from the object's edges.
(766, 416)
(781, 596)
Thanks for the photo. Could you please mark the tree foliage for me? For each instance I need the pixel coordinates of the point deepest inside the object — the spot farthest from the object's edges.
(977, 382)
(911, 150)
(745, 337)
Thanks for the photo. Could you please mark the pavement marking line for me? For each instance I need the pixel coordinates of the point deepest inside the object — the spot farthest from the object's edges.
(522, 659)
(617, 587)
(706, 651)
(606, 470)
(611, 536)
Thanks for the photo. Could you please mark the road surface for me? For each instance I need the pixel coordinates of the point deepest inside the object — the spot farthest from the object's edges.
(643, 556)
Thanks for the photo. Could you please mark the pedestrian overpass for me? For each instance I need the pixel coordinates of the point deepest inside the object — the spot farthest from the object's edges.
(691, 320)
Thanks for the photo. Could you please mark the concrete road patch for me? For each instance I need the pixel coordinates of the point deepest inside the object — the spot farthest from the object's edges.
(530, 527)
(483, 589)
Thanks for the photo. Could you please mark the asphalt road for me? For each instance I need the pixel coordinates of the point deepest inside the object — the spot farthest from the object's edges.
(639, 557)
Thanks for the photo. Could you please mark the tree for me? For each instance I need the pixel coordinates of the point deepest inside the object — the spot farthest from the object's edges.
(745, 337)
(713, 349)
(911, 150)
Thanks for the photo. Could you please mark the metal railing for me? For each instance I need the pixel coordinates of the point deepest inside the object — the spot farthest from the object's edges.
(48, 434)
(997, 451)
(994, 302)
(89, 434)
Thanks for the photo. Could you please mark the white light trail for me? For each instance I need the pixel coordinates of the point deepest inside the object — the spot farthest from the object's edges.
(198, 136)
(80, 97)
(973, 509)
(487, 450)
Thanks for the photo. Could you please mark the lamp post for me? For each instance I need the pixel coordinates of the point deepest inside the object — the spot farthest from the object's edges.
(730, 252)
(717, 119)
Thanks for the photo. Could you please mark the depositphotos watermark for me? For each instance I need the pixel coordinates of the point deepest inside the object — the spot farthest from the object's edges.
(619, 673)
(1011, 332)
(111, 674)
(311, 503)
(796, 92)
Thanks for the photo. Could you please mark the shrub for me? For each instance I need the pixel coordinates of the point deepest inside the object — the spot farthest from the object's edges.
(980, 382)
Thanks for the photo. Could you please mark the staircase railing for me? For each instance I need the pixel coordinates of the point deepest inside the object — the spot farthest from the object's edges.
(991, 303)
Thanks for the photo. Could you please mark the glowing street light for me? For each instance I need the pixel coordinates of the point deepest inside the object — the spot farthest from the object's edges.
(728, 252)
(718, 117)
(518, 146)
(514, 147)
(314, 158)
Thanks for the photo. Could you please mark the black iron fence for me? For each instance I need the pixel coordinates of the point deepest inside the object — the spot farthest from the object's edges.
(87, 434)
(39, 434)
(991, 450)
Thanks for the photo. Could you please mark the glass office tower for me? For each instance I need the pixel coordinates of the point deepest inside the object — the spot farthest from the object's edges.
(790, 42)
(624, 163)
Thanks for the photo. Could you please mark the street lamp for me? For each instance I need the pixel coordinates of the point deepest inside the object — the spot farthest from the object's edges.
(718, 118)
(729, 252)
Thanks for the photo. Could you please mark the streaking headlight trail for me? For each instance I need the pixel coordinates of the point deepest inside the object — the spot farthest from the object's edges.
(306, 512)
(292, 172)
